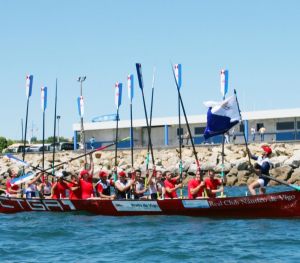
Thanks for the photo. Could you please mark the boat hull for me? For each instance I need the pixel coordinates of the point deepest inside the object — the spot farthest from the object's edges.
(281, 205)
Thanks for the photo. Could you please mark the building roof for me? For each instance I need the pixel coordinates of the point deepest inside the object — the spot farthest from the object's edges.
(193, 119)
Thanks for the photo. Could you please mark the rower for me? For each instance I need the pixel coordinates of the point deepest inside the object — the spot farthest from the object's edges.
(59, 187)
(196, 186)
(213, 185)
(122, 186)
(31, 189)
(103, 186)
(45, 187)
(139, 189)
(11, 190)
(171, 185)
(261, 167)
(74, 188)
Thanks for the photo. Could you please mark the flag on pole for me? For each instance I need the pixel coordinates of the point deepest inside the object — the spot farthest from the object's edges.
(130, 87)
(224, 82)
(221, 116)
(177, 69)
(44, 98)
(80, 104)
(118, 94)
(140, 76)
(29, 80)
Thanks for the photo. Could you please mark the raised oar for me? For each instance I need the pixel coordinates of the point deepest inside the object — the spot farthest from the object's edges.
(130, 88)
(186, 120)
(177, 69)
(151, 110)
(10, 156)
(29, 81)
(118, 100)
(44, 106)
(141, 84)
(296, 187)
(54, 129)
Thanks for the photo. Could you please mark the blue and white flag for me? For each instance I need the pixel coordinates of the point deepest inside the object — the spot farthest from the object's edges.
(224, 82)
(130, 87)
(140, 75)
(29, 80)
(80, 104)
(118, 94)
(221, 116)
(44, 98)
(177, 69)
(23, 179)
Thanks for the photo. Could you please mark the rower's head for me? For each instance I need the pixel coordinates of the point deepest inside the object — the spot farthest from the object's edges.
(138, 173)
(103, 175)
(74, 178)
(122, 175)
(267, 151)
(159, 174)
(168, 175)
(198, 175)
(11, 173)
(211, 173)
(84, 174)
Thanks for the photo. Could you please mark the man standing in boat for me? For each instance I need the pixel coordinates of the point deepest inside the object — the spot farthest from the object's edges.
(214, 185)
(195, 186)
(261, 167)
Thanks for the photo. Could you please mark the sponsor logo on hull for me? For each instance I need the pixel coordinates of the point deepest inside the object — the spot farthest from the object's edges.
(136, 206)
(195, 204)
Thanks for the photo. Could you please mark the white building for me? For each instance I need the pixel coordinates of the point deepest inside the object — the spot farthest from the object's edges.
(280, 125)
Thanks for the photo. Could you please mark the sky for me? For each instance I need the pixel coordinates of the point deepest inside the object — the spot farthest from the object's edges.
(257, 41)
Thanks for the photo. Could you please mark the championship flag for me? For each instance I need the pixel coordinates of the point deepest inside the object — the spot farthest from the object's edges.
(29, 80)
(224, 82)
(221, 116)
(130, 87)
(80, 105)
(44, 98)
(177, 69)
(140, 76)
(118, 94)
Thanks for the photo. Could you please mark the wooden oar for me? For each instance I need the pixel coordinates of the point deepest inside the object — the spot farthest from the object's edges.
(296, 187)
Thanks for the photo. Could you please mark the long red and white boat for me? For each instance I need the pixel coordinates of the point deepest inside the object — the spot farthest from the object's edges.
(275, 205)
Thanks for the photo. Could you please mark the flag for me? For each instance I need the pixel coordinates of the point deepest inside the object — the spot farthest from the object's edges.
(139, 73)
(177, 69)
(44, 98)
(118, 94)
(130, 87)
(29, 80)
(80, 104)
(221, 116)
(224, 82)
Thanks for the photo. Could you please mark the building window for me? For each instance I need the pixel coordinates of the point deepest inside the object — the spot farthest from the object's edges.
(179, 132)
(259, 125)
(287, 125)
(298, 125)
(199, 130)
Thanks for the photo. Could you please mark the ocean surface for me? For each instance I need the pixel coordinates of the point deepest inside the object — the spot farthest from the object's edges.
(70, 237)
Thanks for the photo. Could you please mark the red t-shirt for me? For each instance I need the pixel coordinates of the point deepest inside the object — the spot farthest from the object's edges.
(59, 190)
(170, 185)
(193, 183)
(9, 187)
(76, 194)
(212, 184)
(87, 190)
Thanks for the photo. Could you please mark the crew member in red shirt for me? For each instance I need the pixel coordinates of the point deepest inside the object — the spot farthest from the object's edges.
(11, 190)
(86, 185)
(195, 186)
(171, 186)
(74, 187)
(59, 188)
(212, 184)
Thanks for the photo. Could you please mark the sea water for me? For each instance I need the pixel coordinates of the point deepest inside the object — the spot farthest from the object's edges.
(72, 237)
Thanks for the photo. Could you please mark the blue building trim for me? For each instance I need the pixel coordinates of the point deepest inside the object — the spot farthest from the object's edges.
(166, 135)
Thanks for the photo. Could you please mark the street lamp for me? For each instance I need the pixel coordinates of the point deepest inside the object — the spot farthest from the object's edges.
(58, 118)
(82, 133)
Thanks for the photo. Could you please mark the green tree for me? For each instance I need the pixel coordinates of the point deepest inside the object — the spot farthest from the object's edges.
(3, 143)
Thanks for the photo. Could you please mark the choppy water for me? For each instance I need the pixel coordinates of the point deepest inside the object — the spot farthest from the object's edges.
(58, 237)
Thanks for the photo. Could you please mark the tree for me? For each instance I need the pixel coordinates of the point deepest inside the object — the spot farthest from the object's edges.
(3, 143)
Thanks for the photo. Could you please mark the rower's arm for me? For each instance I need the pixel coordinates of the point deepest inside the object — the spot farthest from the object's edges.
(171, 190)
(197, 188)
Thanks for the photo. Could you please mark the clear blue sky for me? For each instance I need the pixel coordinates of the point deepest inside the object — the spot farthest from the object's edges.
(257, 41)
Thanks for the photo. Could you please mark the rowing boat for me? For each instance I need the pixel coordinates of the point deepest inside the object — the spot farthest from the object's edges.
(275, 205)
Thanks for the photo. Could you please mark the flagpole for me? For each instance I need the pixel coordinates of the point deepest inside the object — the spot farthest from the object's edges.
(186, 120)
(141, 84)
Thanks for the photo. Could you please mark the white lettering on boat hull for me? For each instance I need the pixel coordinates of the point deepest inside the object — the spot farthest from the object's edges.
(136, 206)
